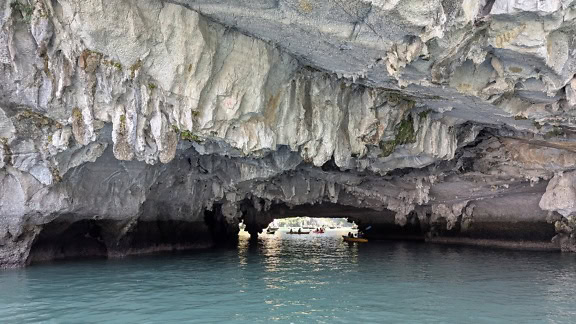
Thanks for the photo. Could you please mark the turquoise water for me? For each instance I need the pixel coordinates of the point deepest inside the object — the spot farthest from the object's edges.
(300, 279)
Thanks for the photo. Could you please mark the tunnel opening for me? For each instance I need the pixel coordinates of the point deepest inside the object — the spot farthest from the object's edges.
(312, 222)
(66, 237)
(374, 224)
(305, 227)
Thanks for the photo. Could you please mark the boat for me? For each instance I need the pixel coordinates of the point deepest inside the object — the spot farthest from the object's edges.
(354, 239)
(318, 231)
(271, 230)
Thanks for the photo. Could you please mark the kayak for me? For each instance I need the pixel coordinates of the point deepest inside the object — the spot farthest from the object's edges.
(298, 233)
(354, 239)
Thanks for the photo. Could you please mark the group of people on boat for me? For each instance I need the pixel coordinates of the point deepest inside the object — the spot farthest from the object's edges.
(359, 235)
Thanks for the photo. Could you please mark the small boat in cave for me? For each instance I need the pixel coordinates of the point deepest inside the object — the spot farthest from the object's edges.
(354, 239)
(271, 230)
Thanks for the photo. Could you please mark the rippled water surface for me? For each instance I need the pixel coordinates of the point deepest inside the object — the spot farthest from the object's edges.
(302, 279)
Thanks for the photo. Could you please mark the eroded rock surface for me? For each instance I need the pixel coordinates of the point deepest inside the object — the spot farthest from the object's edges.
(138, 126)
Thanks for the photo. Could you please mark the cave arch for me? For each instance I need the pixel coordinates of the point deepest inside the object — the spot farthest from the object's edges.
(381, 223)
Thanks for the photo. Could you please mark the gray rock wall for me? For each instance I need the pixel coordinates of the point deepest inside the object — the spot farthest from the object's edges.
(122, 121)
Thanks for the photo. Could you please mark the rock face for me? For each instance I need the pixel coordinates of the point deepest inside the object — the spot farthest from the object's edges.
(137, 126)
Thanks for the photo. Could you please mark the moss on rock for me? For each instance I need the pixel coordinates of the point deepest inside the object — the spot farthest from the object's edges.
(25, 9)
(78, 127)
(189, 136)
(134, 68)
(556, 132)
(405, 134)
(122, 126)
(37, 119)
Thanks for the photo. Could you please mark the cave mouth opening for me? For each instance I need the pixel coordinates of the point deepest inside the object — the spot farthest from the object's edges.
(71, 237)
(305, 224)
(374, 224)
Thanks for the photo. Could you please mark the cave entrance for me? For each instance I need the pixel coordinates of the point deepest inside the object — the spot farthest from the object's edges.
(306, 225)
(375, 224)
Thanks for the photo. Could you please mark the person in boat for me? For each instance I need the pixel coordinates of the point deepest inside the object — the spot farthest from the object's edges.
(291, 231)
(299, 231)
(350, 235)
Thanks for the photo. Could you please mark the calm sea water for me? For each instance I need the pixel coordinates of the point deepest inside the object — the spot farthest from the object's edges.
(300, 279)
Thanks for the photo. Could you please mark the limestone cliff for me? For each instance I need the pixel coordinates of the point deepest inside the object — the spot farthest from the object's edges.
(136, 126)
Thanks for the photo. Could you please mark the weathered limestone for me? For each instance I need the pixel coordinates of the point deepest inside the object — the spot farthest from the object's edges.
(560, 197)
(138, 126)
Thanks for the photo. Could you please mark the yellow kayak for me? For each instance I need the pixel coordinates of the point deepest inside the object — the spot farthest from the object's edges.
(354, 239)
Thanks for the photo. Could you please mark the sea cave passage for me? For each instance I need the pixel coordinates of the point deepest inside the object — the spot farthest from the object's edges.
(69, 236)
(373, 224)
(303, 225)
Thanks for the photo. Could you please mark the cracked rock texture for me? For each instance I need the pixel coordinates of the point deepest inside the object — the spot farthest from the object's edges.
(139, 126)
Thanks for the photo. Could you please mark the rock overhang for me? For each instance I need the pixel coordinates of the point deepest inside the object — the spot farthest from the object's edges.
(145, 111)
(418, 47)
